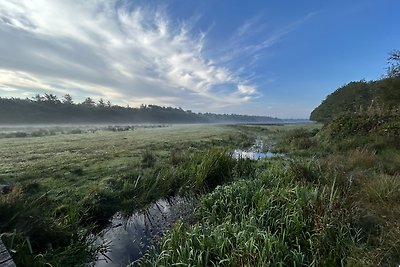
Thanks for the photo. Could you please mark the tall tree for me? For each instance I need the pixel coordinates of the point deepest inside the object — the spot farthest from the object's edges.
(394, 64)
(50, 98)
(89, 102)
(67, 99)
(38, 98)
(101, 103)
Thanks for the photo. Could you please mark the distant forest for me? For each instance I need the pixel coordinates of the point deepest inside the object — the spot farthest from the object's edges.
(50, 109)
(362, 95)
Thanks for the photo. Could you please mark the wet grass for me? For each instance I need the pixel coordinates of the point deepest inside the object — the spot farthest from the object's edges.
(90, 176)
(274, 218)
(328, 203)
(324, 205)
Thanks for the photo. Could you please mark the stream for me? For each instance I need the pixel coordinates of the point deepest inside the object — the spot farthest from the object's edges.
(129, 238)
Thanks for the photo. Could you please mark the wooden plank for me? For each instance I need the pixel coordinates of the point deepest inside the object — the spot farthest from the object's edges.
(5, 258)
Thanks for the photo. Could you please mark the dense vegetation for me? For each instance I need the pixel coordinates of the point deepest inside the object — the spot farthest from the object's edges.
(49, 109)
(333, 202)
(361, 95)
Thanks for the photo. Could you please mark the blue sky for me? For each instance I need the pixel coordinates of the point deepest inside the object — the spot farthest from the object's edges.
(277, 58)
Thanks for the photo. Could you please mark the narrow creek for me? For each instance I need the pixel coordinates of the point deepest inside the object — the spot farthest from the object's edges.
(128, 238)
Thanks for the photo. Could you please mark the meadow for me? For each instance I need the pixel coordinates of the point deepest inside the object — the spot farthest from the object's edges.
(69, 183)
(327, 202)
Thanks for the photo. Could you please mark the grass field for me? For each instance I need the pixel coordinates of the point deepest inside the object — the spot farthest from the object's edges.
(328, 203)
(76, 163)
(89, 176)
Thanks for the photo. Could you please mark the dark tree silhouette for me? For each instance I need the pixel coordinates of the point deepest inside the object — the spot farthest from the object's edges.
(101, 103)
(89, 102)
(67, 99)
(49, 109)
(394, 64)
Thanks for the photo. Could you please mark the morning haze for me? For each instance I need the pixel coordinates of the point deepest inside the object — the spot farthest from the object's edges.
(209, 133)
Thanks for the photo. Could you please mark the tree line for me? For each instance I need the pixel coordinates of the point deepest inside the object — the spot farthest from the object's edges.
(49, 108)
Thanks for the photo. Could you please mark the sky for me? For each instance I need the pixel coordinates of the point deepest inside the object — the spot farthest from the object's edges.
(270, 58)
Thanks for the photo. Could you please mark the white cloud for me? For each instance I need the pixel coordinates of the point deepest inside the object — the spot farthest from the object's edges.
(114, 50)
(246, 89)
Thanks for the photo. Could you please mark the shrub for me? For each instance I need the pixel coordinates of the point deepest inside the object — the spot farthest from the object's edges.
(21, 134)
(297, 139)
(148, 159)
(76, 131)
(363, 125)
(362, 158)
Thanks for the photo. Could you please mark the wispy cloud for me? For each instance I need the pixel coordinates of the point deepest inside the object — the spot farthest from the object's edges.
(129, 54)
(252, 38)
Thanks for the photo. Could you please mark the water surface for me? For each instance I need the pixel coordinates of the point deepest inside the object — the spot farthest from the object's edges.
(255, 152)
(129, 238)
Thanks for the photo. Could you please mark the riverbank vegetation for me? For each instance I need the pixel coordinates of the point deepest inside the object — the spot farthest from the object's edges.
(66, 187)
(330, 199)
(332, 202)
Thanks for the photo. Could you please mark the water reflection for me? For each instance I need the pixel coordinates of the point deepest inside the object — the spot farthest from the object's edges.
(255, 152)
(128, 238)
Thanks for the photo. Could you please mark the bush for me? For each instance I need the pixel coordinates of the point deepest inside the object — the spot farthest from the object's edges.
(76, 131)
(148, 159)
(362, 124)
(21, 134)
(297, 139)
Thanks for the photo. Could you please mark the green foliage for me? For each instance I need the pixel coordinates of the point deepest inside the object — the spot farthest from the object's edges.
(348, 98)
(316, 209)
(358, 97)
(353, 129)
(394, 64)
(299, 139)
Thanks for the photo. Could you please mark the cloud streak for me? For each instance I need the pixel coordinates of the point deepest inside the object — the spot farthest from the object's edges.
(128, 54)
